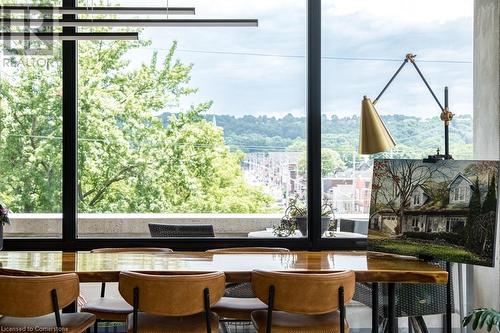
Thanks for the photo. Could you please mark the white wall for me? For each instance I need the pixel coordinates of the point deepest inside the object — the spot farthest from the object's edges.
(486, 281)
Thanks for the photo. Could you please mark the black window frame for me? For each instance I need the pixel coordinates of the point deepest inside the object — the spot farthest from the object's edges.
(70, 241)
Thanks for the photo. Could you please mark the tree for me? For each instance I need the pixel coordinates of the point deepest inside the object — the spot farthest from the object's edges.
(490, 202)
(330, 162)
(474, 212)
(127, 160)
(397, 179)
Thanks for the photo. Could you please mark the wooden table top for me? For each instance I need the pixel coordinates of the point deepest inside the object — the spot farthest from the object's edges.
(105, 267)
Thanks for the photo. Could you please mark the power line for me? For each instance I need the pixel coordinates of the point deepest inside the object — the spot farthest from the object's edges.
(258, 54)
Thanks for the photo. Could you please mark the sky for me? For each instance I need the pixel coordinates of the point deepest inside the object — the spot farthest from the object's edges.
(262, 71)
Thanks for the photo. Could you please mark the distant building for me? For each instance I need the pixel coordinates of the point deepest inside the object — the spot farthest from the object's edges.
(277, 172)
(349, 191)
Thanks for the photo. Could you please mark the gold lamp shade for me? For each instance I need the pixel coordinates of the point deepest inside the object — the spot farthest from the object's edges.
(374, 137)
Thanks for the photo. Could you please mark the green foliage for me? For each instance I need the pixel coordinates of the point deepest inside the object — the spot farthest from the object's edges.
(330, 162)
(427, 250)
(445, 237)
(127, 160)
(483, 317)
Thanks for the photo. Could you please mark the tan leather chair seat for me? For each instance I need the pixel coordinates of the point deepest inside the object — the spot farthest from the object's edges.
(286, 322)
(109, 309)
(238, 308)
(149, 323)
(71, 322)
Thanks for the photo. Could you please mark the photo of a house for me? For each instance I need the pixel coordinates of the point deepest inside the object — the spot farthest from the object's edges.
(438, 211)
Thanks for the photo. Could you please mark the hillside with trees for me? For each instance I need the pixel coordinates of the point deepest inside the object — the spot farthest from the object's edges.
(265, 134)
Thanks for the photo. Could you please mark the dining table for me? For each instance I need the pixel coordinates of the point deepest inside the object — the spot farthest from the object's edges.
(369, 267)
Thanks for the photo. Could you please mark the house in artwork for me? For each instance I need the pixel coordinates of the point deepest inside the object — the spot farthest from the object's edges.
(419, 197)
(426, 213)
(460, 190)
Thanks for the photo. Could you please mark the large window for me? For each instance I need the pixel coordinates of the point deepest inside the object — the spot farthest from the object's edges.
(364, 42)
(207, 126)
(195, 126)
(31, 136)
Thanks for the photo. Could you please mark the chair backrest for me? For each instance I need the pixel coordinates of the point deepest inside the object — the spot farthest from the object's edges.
(133, 250)
(250, 250)
(347, 225)
(357, 226)
(307, 293)
(31, 296)
(181, 230)
(171, 295)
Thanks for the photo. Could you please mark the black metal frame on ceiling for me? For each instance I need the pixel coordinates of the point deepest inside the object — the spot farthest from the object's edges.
(99, 10)
(70, 240)
(70, 19)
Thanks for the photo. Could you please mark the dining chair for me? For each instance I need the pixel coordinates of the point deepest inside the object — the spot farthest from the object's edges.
(302, 302)
(112, 309)
(164, 303)
(239, 300)
(34, 303)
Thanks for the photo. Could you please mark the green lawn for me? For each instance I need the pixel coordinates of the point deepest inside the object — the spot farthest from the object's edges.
(426, 249)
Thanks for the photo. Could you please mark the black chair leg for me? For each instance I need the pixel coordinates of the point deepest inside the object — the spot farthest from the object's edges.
(421, 324)
(383, 325)
(96, 326)
(224, 327)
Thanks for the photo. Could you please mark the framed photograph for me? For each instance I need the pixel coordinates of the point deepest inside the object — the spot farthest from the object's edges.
(445, 210)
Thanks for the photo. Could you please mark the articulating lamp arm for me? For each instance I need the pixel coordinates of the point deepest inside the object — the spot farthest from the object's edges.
(410, 58)
(392, 79)
(446, 115)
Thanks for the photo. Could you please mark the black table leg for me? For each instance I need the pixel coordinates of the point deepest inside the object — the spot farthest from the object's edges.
(375, 305)
(391, 310)
(448, 328)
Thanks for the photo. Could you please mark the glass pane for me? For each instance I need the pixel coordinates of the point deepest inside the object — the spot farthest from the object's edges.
(199, 127)
(364, 43)
(30, 135)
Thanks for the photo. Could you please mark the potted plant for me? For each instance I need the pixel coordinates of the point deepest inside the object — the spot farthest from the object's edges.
(482, 317)
(296, 218)
(4, 219)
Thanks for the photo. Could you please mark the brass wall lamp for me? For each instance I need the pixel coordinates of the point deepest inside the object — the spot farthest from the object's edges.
(375, 136)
